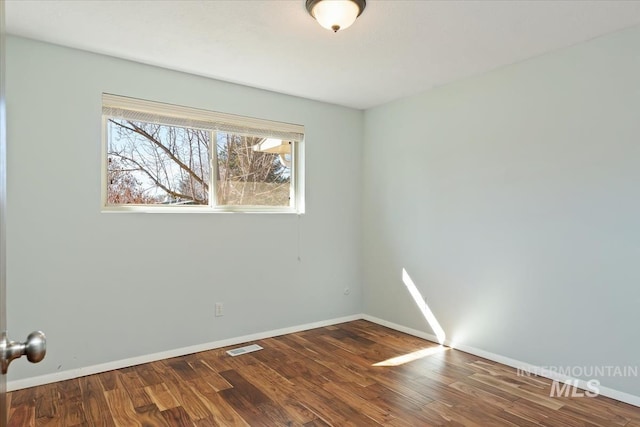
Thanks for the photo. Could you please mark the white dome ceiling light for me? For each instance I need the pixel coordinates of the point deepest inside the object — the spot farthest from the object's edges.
(335, 15)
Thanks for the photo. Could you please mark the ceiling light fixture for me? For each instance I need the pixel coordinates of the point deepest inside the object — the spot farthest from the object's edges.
(335, 14)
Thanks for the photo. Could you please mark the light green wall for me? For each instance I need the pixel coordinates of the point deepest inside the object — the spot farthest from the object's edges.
(512, 199)
(107, 287)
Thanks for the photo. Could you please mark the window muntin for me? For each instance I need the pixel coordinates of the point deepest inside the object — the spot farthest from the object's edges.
(159, 156)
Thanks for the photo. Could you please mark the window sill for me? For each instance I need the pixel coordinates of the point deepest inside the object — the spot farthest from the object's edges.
(201, 209)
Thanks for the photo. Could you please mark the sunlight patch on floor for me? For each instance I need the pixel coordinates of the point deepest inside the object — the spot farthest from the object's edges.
(410, 357)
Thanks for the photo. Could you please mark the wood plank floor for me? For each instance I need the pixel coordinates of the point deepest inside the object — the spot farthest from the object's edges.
(326, 376)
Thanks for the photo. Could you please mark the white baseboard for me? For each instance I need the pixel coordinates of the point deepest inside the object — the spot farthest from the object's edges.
(124, 363)
(406, 330)
(552, 375)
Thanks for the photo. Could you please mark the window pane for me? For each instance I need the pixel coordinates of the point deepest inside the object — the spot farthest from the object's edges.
(253, 171)
(156, 164)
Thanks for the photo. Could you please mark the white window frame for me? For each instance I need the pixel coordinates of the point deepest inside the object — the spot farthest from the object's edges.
(174, 115)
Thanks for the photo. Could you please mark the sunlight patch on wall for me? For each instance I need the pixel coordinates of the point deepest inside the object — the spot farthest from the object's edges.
(410, 357)
(424, 308)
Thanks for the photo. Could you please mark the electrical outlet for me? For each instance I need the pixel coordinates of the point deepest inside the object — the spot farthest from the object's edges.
(219, 309)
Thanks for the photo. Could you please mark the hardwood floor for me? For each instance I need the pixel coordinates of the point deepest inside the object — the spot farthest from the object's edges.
(326, 376)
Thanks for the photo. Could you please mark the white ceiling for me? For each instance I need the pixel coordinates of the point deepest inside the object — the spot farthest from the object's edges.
(396, 48)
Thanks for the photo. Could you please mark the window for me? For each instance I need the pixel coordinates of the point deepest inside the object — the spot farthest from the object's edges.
(161, 157)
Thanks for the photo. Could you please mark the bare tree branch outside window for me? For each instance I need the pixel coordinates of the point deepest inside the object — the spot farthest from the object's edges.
(160, 164)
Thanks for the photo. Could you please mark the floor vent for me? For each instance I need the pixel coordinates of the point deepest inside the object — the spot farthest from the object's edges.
(243, 350)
